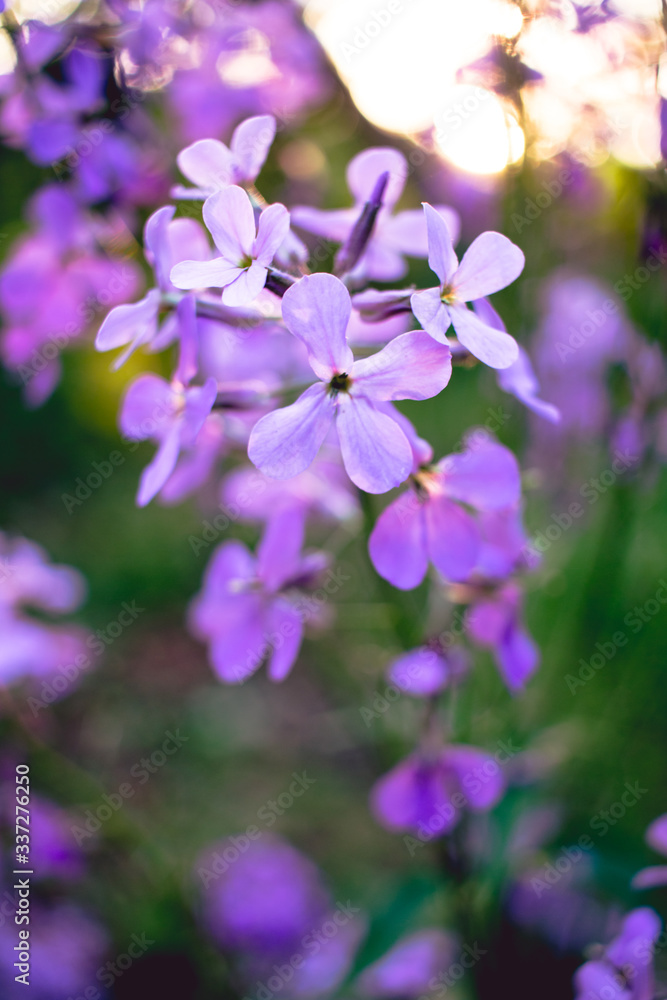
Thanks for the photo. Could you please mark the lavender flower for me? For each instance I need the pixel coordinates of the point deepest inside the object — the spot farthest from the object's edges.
(210, 165)
(625, 971)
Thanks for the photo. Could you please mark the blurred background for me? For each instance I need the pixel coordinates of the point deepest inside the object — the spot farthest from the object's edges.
(543, 122)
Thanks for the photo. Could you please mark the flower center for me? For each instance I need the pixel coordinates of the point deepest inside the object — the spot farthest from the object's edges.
(340, 383)
(448, 295)
(245, 261)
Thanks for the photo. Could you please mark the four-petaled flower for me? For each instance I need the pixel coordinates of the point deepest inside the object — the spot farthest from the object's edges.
(245, 253)
(212, 166)
(490, 263)
(375, 450)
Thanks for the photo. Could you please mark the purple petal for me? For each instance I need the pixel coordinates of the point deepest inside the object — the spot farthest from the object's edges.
(157, 472)
(271, 232)
(376, 453)
(649, 878)
(284, 443)
(431, 312)
(317, 309)
(207, 163)
(397, 545)
(238, 648)
(420, 673)
(214, 273)
(656, 834)
(518, 657)
(148, 408)
(189, 344)
(135, 323)
(279, 552)
(490, 263)
(407, 231)
(199, 402)
(364, 170)
(335, 226)
(597, 980)
(406, 970)
(414, 795)
(412, 366)
(156, 242)
(486, 475)
(441, 257)
(251, 143)
(286, 633)
(519, 380)
(494, 348)
(452, 538)
(477, 773)
(246, 286)
(230, 220)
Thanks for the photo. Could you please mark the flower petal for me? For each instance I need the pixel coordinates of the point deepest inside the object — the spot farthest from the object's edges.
(441, 257)
(490, 263)
(431, 313)
(284, 443)
(272, 230)
(157, 472)
(207, 163)
(239, 647)
(286, 633)
(246, 286)
(407, 231)
(365, 168)
(156, 242)
(412, 366)
(317, 309)
(468, 763)
(214, 273)
(279, 552)
(420, 673)
(452, 538)
(376, 453)
(250, 145)
(397, 544)
(486, 475)
(495, 348)
(148, 407)
(335, 225)
(135, 323)
(230, 220)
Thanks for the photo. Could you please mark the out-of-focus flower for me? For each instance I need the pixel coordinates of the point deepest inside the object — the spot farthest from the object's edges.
(376, 453)
(427, 794)
(245, 252)
(656, 837)
(428, 524)
(66, 949)
(250, 607)
(406, 970)
(626, 969)
(172, 414)
(494, 621)
(394, 236)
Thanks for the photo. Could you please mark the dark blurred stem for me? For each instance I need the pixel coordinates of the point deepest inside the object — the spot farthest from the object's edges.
(278, 282)
(357, 241)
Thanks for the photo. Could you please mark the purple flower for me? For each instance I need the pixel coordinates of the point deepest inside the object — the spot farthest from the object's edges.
(426, 794)
(172, 414)
(67, 948)
(656, 837)
(245, 253)
(211, 166)
(428, 524)
(490, 263)
(167, 241)
(261, 900)
(625, 972)
(393, 235)
(249, 607)
(495, 621)
(376, 452)
(426, 671)
(406, 970)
